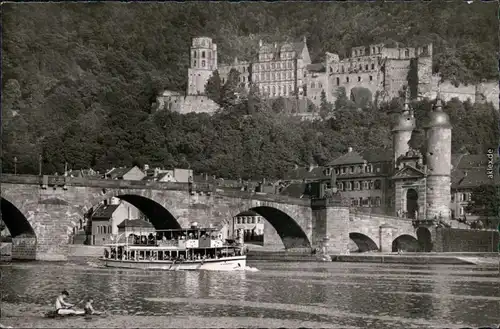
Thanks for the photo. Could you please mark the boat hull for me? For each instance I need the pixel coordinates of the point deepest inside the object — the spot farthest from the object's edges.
(225, 264)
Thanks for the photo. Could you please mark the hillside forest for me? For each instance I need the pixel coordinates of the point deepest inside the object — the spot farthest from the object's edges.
(79, 80)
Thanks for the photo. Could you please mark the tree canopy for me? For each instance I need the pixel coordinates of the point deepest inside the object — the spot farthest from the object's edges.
(79, 80)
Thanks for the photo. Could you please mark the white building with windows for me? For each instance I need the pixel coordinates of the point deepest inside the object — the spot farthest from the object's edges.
(251, 223)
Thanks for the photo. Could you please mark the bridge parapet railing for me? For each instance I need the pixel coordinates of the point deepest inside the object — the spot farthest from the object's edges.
(263, 197)
(364, 215)
(102, 183)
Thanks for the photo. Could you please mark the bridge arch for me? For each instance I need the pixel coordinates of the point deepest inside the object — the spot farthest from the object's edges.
(15, 220)
(24, 239)
(291, 233)
(424, 238)
(405, 242)
(363, 242)
(158, 215)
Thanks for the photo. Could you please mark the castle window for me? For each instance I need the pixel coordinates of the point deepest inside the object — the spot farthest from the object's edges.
(373, 66)
(238, 220)
(378, 201)
(289, 65)
(373, 50)
(268, 75)
(268, 66)
(202, 54)
(331, 69)
(461, 211)
(223, 80)
(366, 67)
(195, 62)
(195, 53)
(356, 186)
(272, 66)
(313, 85)
(365, 185)
(244, 69)
(378, 48)
(283, 75)
(203, 63)
(338, 81)
(370, 185)
(320, 85)
(351, 169)
(378, 185)
(290, 89)
(342, 69)
(407, 53)
(274, 90)
(262, 76)
(349, 186)
(347, 79)
(371, 78)
(425, 49)
(262, 68)
(340, 186)
(360, 67)
(344, 170)
(337, 171)
(244, 79)
(359, 79)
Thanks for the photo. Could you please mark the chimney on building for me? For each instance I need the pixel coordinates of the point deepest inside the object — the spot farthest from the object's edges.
(311, 167)
(146, 167)
(275, 45)
(349, 149)
(296, 166)
(260, 43)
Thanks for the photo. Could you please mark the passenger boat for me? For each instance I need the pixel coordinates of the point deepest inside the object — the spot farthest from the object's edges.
(176, 249)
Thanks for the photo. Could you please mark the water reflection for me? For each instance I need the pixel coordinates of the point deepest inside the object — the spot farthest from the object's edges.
(358, 295)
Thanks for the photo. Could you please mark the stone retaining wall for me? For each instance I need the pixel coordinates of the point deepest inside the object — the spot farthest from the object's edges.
(24, 248)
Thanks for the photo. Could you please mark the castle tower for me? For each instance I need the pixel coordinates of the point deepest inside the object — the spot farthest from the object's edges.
(203, 62)
(402, 130)
(438, 161)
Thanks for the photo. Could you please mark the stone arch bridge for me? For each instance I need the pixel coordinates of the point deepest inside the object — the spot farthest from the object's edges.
(41, 212)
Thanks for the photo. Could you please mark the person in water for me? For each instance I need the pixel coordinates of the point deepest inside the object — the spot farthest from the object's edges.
(62, 307)
(89, 310)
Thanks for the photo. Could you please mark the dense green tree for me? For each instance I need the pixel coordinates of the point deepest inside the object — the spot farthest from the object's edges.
(484, 203)
(79, 80)
(213, 87)
(325, 107)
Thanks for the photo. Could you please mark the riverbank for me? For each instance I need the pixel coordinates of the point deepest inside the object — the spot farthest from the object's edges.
(479, 259)
(32, 316)
(257, 253)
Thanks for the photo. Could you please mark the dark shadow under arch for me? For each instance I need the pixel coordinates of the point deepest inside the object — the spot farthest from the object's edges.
(405, 242)
(160, 217)
(15, 220)
(424, 239)
(363, 242)
(292, 235)
(411, 202)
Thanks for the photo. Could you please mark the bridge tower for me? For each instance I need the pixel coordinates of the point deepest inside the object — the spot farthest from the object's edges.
(402, 130)
(203, 63)
(438, 161)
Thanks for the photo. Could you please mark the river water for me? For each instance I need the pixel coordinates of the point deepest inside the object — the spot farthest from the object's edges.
(333, 295)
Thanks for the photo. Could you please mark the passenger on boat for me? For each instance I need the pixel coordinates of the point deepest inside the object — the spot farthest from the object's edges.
(62, 307)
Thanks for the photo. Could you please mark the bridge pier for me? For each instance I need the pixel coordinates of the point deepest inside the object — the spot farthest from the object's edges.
(330, 225)
(386, 237)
